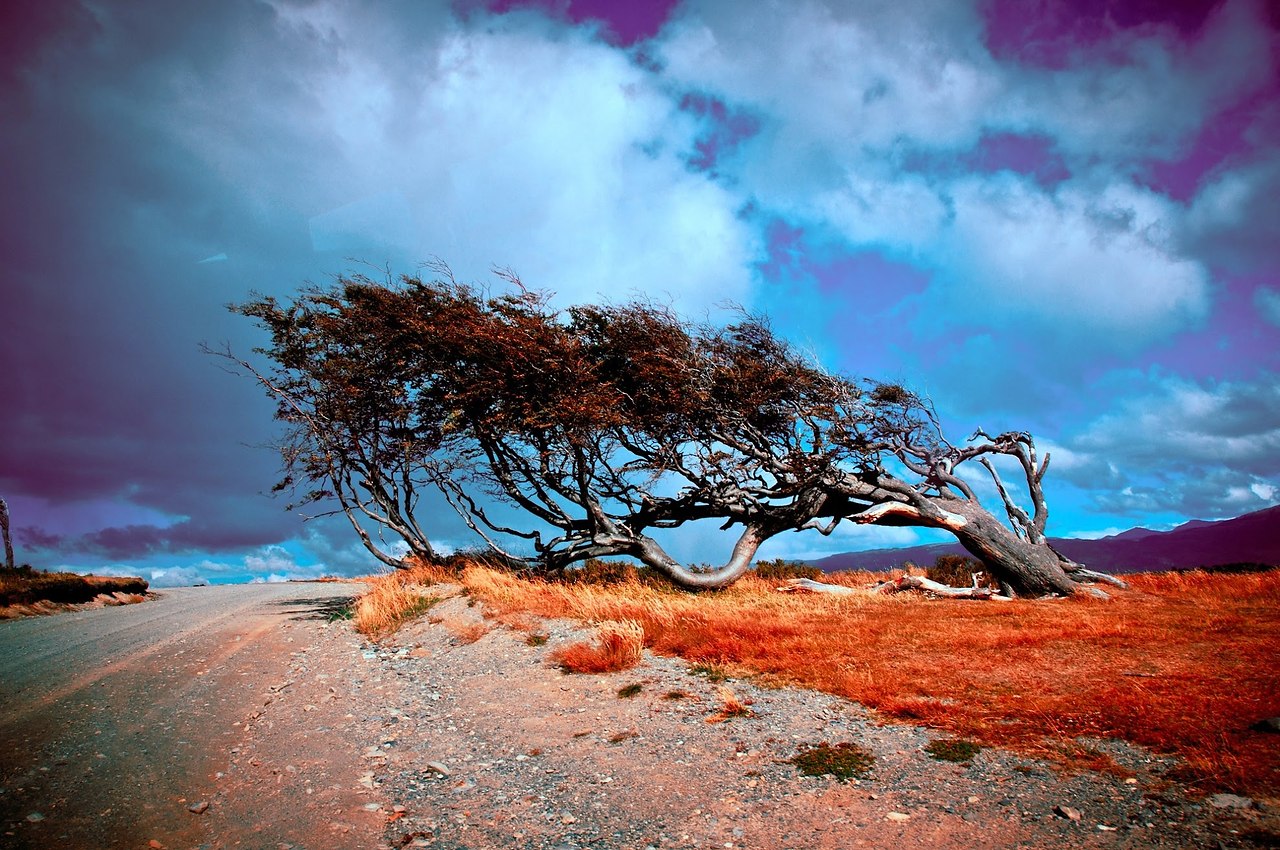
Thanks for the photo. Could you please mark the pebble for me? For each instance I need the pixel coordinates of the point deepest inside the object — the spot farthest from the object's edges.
(1067, 812)
(198, 808)
(439, 768)
(35, 817)
(897, 817)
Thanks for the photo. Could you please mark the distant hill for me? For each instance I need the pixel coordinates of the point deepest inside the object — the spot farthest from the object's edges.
(1252, 537)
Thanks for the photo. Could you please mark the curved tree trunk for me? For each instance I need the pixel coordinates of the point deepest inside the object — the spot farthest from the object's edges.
(1022, 567)
(654, 557)
(1029, 569)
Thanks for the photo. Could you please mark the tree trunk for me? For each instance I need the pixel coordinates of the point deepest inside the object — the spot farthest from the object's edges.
(4, 532)
(653, 556)
(1029, 569)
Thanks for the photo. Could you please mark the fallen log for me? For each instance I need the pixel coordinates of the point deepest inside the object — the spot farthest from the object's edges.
(898, 585)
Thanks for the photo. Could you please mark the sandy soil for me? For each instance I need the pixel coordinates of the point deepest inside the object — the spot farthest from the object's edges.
(299, 734)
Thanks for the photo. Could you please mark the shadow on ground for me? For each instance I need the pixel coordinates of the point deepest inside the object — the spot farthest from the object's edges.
(327, 608)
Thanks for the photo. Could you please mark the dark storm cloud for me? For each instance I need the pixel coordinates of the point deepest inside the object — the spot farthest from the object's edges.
(106, 211)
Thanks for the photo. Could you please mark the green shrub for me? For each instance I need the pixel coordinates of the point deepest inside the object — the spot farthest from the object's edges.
(952, 749)
(843, 761)
(712, 672)
(782, 570)
(608, 573)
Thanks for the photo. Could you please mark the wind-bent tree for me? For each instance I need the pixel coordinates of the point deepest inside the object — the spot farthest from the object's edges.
(603, 424)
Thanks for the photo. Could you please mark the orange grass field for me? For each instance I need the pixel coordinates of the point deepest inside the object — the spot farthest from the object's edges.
(1181, 663)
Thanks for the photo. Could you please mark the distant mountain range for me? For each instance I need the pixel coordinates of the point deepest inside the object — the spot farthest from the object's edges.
(1253, 537)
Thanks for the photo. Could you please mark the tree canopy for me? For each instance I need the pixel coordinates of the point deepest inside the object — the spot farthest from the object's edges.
(604, 423)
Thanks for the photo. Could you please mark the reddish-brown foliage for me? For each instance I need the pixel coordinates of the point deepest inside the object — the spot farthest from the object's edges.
(617, 646)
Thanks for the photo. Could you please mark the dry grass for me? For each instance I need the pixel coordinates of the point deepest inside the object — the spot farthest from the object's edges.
(730, 706)
(394, 598)
(618, 646)
(1183, 664)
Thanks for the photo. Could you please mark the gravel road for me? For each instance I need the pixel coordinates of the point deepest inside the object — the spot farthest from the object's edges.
(113, 722)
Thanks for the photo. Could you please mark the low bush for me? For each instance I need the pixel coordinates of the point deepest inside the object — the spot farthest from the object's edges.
(843, 761)
(952, 749)
(958, 571)
(783, 570)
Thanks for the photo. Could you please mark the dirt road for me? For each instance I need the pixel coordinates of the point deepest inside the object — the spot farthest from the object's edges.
(113, 722)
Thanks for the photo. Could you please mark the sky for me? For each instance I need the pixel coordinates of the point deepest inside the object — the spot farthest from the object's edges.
(1049, 216)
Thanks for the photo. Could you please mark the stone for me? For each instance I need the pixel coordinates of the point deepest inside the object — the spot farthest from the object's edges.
(199, 808)
(439, 768)
(897, 817)
(1270, 724)
(1067, 812)
(1230, 801)
(35, 817)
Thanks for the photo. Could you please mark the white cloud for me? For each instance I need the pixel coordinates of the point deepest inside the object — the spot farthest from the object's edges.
(1097, 260)
(860, 88)
(1195, 448)
(178, 577)
(510, 141)
(1143, 93)
(1232, 218)
(1267, 300)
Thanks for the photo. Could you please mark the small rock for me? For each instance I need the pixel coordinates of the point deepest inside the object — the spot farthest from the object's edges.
(1270, 724)
(1230, 801)
(35, 817)
(439, 768)
(897, 817)
(1067, 812)
(1102, 827)
(567, 819)
(371, 807)
(155, 845)
(199, 808)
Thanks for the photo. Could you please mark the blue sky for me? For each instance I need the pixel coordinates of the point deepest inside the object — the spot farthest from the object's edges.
(1057, 217)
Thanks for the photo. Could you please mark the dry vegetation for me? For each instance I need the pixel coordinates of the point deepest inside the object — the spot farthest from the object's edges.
(1183, 663)
(396, 597)
(25, 591)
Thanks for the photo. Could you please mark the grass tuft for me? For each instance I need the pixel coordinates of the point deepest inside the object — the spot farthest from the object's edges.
(629, 691)
(730, 706)
(843, 761)
(394, 599)
(952, 749)
(618, 646)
